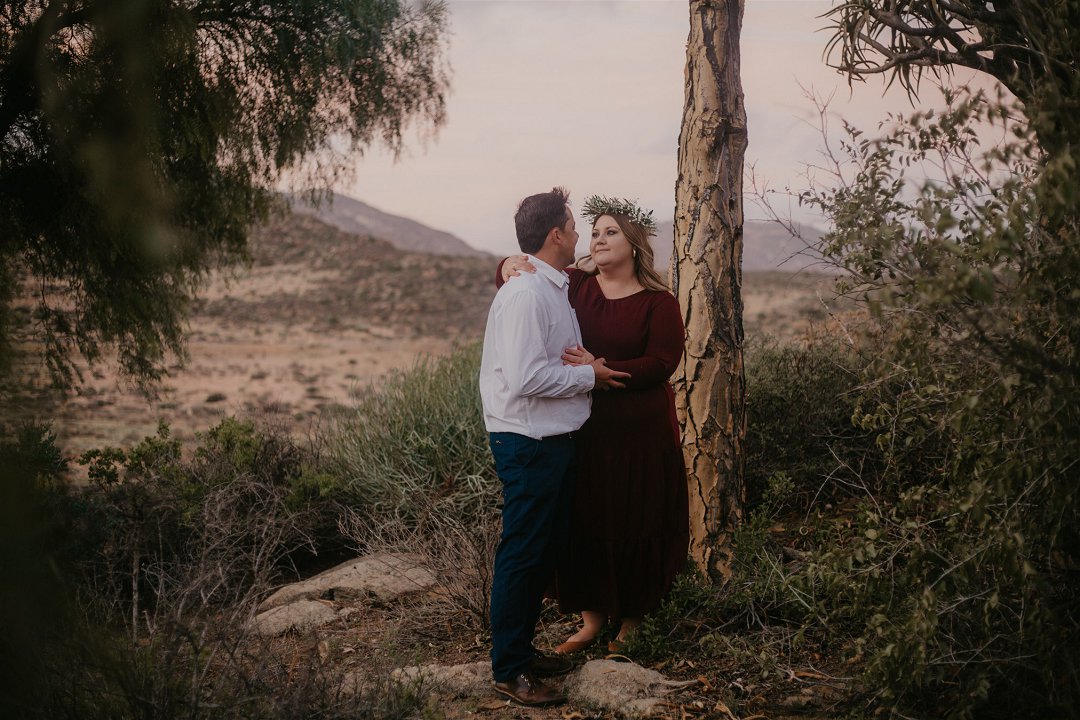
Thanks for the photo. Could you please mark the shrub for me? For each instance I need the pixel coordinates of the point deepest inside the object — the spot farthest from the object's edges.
(800, 402)
(210, 669)
(961, 565)
(168, 558)
(417, 443)
(158, 526)
(671, 626)
(35, 605)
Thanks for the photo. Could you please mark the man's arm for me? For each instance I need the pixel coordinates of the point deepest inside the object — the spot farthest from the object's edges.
(529, 369)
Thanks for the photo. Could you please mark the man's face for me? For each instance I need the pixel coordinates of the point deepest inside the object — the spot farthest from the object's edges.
(569, 236)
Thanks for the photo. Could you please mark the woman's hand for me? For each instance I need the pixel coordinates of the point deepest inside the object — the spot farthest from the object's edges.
(577, 355)
(515, 265)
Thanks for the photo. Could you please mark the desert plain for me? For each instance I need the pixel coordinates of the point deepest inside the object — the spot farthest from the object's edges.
(319, 315)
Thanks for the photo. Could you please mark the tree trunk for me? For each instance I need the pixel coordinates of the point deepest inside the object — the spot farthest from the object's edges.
(706, 277)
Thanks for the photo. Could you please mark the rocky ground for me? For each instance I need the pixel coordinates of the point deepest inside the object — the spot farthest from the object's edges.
(356, 617)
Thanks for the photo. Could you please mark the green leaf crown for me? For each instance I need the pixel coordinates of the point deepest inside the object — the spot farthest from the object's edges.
(597, 205)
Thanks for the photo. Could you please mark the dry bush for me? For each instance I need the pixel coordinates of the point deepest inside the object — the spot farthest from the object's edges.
(169, 559)
(459, 552)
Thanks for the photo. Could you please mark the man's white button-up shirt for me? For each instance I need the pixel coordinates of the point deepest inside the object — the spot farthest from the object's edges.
(524, 386)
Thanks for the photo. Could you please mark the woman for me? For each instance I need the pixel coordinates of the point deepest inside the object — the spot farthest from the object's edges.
(630, 526)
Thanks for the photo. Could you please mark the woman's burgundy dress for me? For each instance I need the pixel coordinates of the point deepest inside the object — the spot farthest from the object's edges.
(630, 529)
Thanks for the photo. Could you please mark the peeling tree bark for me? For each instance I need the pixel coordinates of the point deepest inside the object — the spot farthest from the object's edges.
(706, 277)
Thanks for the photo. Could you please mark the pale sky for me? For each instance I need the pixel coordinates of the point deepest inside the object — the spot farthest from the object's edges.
(588, 94)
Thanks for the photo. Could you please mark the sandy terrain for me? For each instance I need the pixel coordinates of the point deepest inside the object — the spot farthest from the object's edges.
(290, 374)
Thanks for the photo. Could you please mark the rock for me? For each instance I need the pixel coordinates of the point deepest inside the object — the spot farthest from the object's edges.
(383, 576)
(469, 680)
(626, 689)
(347, 612)
(300, 615)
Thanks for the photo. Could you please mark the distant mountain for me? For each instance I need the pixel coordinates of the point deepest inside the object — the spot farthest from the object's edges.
(357, 218)
(766, 246)
(307, 273)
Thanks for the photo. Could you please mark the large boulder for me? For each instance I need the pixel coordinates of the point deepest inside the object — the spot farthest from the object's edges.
(301, 615)
(625, 689)
(458, 681)
(383, 577)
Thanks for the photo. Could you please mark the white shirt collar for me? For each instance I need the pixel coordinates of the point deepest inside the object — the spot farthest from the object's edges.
(559, 277)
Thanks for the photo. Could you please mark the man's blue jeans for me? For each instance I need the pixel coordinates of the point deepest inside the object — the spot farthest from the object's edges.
(538, 487)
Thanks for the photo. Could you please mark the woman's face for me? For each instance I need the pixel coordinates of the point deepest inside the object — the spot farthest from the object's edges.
(609, 246)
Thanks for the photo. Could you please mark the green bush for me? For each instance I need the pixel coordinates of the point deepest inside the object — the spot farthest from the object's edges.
(170, 548)
(35, 600)
(222, 674)
(800, 401)
(32, 448)
(153, 520)
(416, 442)
(667, 630)
(956, 573)
(167, 553)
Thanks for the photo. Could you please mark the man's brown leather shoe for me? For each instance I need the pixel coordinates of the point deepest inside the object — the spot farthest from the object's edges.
(527, 690)
(550, 665)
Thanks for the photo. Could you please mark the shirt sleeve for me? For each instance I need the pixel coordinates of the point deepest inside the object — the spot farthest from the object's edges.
(576, 276)
(529, 369)
(663, 347)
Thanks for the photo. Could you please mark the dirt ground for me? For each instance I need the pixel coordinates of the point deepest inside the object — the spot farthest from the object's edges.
(721, 687)
(291, 374)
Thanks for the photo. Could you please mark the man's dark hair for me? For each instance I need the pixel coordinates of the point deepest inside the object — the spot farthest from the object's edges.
(537, 214)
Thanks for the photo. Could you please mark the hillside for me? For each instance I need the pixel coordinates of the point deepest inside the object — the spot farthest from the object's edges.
(353, 216)
(306, 273)
(317, 316)
(767, 247)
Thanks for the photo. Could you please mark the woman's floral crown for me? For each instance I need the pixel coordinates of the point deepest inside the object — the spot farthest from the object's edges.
(597, 205)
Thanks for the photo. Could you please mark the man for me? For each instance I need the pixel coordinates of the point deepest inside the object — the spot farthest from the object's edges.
(532, 405)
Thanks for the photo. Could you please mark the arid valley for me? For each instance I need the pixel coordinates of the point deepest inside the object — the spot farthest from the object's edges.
(319, 314)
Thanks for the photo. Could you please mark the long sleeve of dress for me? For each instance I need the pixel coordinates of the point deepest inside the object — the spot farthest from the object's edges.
(663, 348)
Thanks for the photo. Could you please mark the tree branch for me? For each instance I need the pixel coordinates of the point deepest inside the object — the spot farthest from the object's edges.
(19, 76)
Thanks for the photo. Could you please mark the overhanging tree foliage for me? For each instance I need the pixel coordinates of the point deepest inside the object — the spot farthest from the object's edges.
(960, 573)
(1029, 47)
(140, 139)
